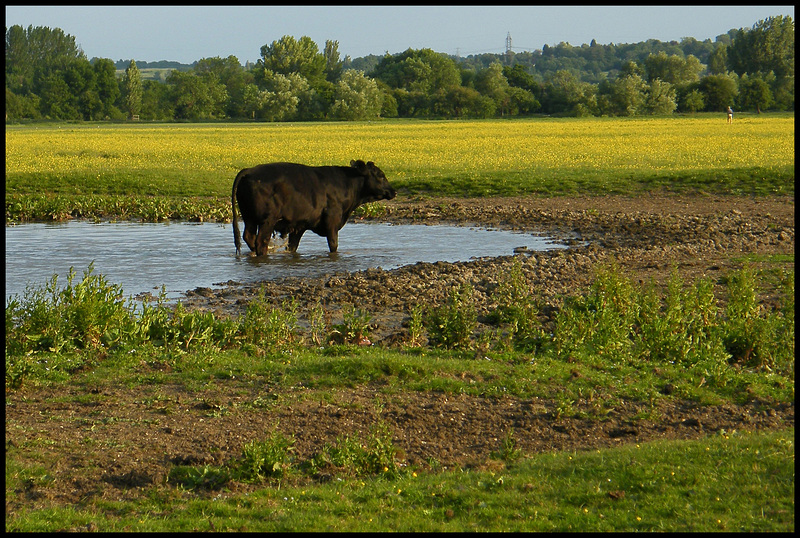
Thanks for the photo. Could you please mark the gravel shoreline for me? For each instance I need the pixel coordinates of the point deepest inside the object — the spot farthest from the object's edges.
(647, 237)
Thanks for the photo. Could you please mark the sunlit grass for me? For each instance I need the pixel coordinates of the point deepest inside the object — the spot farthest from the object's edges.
(544, 156)
(733, 481)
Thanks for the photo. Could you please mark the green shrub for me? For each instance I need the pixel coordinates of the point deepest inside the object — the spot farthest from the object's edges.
(84, 315)
(600, 322)
(685, 327)
(349, 455)
(355, 326)
(451, 326)
(269, 327)
(754, 336)
(265, 459)
(518, 311)
(205, 477)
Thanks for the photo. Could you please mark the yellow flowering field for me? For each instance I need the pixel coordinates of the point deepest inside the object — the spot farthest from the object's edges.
(539, 155)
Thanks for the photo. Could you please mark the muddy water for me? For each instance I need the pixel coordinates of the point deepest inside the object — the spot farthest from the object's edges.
(182, 256)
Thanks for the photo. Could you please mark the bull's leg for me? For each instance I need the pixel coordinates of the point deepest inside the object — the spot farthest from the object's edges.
(294, 240)
(333, 240)
(250, 236)
(262, 240)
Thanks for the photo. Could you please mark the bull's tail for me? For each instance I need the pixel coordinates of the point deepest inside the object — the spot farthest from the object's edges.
(237, 238)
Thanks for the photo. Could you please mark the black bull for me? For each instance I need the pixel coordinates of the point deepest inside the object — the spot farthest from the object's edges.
(291, 198)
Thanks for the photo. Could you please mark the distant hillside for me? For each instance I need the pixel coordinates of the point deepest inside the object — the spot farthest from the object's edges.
(161, 64)
(153, 70)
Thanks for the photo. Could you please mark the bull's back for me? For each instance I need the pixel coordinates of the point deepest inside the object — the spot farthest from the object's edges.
(287, 191)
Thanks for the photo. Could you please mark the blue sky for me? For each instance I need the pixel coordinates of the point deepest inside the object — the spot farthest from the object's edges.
(188, 33)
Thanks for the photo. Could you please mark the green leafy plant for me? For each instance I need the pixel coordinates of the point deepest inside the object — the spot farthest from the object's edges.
(508, 448)
(376, 455)
(266, 459)
(355, 326)
(416, 325)
(272, 328)
(600, 322)
(451, 326)
(518, 311)
(205, 477)
(83, 315)
(317, 324)
(754, 336)
(685, 328)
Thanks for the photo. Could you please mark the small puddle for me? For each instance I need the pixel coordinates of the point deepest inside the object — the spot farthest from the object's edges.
(183, 256)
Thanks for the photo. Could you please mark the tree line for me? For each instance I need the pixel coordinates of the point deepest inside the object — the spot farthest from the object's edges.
(48, 76)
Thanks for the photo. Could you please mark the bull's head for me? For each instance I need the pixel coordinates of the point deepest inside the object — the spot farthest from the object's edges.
(376, 186)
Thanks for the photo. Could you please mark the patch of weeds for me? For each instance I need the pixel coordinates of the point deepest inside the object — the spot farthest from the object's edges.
(269, 327)
(376, 455)
(355, 327)
(318, 324)
(599, 322)
(756, 337)
(508, 448)
(370, 210)
(518, 311)
(85, 315)
(565, 407)
(205, 477)
(685, 329)
(265, 459)
(416, 326)
(451, 326)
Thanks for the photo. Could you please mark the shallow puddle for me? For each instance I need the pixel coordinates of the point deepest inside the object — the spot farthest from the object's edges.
(183, 256)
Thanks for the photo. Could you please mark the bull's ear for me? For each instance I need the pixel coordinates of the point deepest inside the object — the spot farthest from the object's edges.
(353, 164)
(370, 164)
(358, 165)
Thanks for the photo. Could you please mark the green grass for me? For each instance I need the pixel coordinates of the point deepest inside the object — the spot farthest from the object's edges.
(63, 338)
(733, 481)
(607, 333)
(160, 171)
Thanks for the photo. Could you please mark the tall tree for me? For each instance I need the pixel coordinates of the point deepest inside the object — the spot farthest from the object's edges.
(37, 49)
(228, 72)
(692, 101)
(564, 93)
(629, 95)
(333, 64)
(768, 46)
(288, 55)
(421, 70)
(132, 84)
(660, 98)
(754, 93)
(281, 99)
(493, 84)
(518, 77)
(672, 68)
(719, 92)
(718, 60)
(356, 97)
(107, 87)
(195, 97)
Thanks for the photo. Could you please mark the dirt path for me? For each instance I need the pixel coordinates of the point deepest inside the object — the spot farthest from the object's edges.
(121, 440)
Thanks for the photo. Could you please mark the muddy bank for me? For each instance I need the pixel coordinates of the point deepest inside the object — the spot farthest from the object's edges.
(647, 237)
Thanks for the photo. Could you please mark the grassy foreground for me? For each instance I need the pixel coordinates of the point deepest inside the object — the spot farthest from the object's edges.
(86, 336)
(160, 171)
(731, 482)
